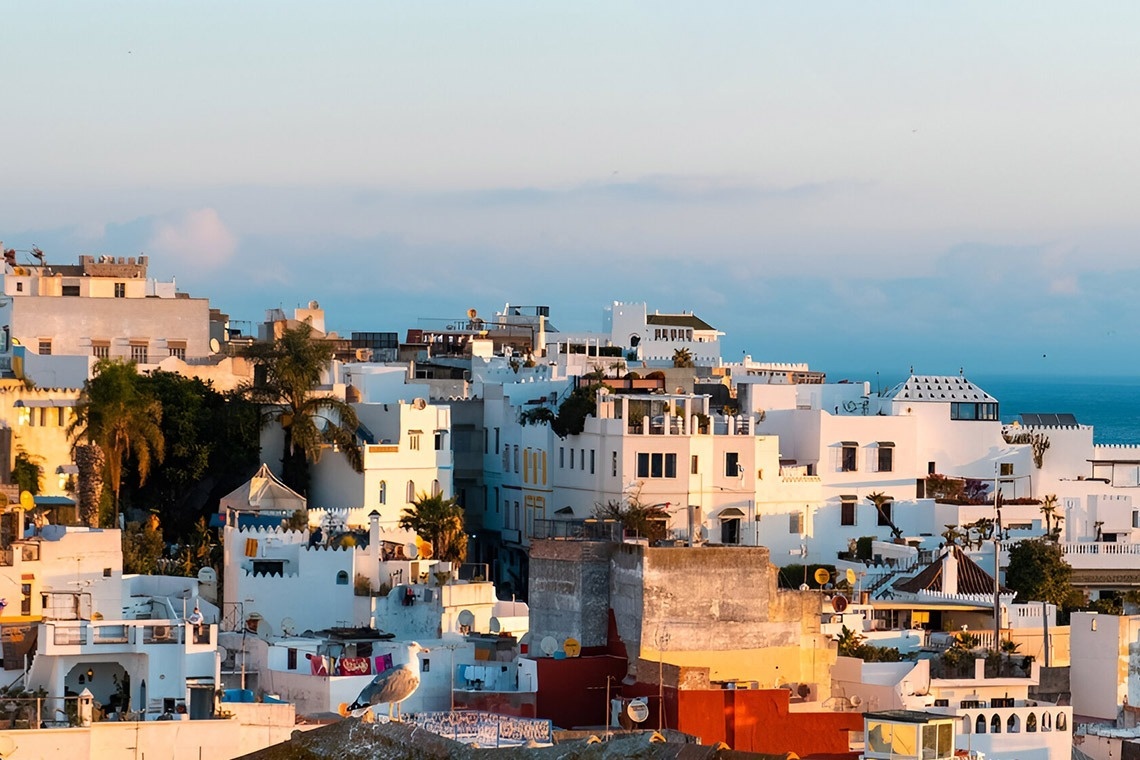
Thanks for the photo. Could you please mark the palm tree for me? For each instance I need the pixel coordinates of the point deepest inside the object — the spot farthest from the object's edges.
(683, 357)
(287, 374)
(1048, 510)
(881, 502)
(438, 521)
(114, 415)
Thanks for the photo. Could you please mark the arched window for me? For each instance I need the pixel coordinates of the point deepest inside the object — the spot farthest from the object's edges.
(411, 491)
(980, 726)
(1013, 725)
(1031, 723)
(342, 578)
(1062, 722)
(967, 724)
(383, 492)
(995, 724)
(435, 489)
(1046, 722)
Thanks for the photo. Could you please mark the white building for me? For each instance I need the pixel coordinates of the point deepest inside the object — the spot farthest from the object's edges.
(653, 338)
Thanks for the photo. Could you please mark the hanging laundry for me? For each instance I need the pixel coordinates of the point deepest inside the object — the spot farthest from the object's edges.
(317, 665)
(354, 666)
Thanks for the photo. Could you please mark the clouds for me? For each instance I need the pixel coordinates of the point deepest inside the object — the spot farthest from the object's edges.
(197, 239)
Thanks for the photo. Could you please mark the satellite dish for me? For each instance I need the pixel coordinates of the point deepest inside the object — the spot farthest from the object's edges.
(215, 346)
(850, 577)
(223, 654)
(467, 618)
(637, 710)
(27, 501)
(471, 314)
(495, 625)
(411, 551)
(288, 627)
(855, 700)
(571, 647)
(548, 645)
(314, 305)
(839, 603)
(805, 587)
(419, 403)
(822, 576)
(207, 575)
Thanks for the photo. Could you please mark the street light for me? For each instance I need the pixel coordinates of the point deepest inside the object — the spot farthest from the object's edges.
(997, 558)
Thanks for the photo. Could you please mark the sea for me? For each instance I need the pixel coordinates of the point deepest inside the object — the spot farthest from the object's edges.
(1110, 404)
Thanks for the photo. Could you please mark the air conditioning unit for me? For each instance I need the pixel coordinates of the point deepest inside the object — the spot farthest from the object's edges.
(162, 633)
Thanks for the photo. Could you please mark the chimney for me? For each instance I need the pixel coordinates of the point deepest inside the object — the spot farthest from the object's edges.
(949, 571)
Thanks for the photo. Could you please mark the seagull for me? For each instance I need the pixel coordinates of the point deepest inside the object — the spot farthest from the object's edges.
(394, 685)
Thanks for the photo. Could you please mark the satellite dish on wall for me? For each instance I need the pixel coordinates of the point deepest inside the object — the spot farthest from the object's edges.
(467, 618)
(839, 603)
(496, 626)
(637, 710)
(411, 551)
(571, 647)
(215, 346)
(419, 403)
(821, 576)
(851, 577)
(288, 627)
(548, 645)
(855, 700)
(207, 575)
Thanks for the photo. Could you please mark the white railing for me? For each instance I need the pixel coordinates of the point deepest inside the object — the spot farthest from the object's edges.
(1100, 548)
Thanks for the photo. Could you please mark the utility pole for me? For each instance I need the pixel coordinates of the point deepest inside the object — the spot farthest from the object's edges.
(997, 559)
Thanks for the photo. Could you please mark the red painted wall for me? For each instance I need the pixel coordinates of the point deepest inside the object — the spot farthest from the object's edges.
(572, 692)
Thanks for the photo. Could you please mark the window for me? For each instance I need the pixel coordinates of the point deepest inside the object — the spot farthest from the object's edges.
(847, 512)
(974, 411)
(26, 605)
(176, 348)
(1006, 469)
(414, 441)
(885, 514)
(292, 659)
(731, 464)
(693, 464)
(425, 666)
(796, 522)
(930, 468)
(435, 489)
(496, 440)
(70, 290)
(383, 492)
(562, 457)
(886, 461)
(485, 440)
(516, 452)
(19, 287)
(411, 491)
(591, 461)
(656, 465)
(120, 290)
(61, 415)
(342, 578)
(45, 348)
(439, 440)
(613, 463)
(847, 456)
(101, 349)
(571, 459)
(139, 353)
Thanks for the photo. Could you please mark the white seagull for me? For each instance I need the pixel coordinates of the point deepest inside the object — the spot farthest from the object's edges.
(394, 685)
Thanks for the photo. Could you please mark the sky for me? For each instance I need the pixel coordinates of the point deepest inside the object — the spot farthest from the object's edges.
(861, 186)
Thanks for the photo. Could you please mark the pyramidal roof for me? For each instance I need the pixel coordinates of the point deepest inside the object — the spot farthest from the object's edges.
(942, 388)
(972, 579)
(264, 493)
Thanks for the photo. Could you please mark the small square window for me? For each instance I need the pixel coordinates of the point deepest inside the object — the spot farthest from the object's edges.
(45, 348)
(847, 513)
(120, 290)
(425, 667)
(796, 522)
(101, 350)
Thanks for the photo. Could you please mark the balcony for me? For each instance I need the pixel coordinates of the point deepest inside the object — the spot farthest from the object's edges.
(93, 636)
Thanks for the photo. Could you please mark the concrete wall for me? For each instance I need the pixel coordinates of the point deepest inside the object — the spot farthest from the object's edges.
(257, 728)
(570, 591)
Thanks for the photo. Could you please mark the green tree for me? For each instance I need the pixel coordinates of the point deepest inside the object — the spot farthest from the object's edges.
(683, 358)
(198, 550)
(212, 443)
(117, 415)
(438, 521)
(1038, 573)
(288, 372)
(28, 472)
(582, 402)
(648, 521)
(142, 547)
(882, 502)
